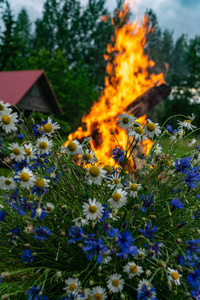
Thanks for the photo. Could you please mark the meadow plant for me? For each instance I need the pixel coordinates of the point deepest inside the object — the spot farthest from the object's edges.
(72, 228)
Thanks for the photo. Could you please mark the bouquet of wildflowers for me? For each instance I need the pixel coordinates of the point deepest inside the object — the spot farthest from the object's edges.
(73, 229)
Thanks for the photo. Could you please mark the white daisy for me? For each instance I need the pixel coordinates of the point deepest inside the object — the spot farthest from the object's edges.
(133, 188)
(30, 152)
(49, 127)
(114, 180)
(157, 148)
(95, 175)
(88, 156)
(113, 215)
(49, 206)
(73, 284)
(80, 222)
(73, 148)
(86, 141)
(93, 210)
(41, 183)
(106, 257)
(87, 294)
(7, 183)
(138, 133)
(193, 141)
(99, 293)
(177, 135)
(118, 198)
(115, 283)
(44, 145)
(125, 121)
(4, 108)
(17, 152)
(8, 121)
(174, 276)
(141, 253)
(152, 129)
(132, 269)
(187, 123)
(26, 177)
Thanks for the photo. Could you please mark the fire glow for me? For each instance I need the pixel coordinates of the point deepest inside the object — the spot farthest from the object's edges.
(127, 78)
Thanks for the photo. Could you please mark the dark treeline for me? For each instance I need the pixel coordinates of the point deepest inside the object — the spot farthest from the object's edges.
(69, 41)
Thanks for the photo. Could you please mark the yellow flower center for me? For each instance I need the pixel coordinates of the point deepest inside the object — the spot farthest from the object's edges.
(87, 156)
(24, 177)
(175, 275)
(94, 171)
(92, 209)
(133, 269)
(16, 151)
(39, 183)
(108, 168)
(72, 287)
(8, 182)
(188, 121)
(5, 120)
(116, 196)
(88, 297)
(48, 127)
(139, 130)
(151, 126)
(98, 296)
(72, 146)
(48, 208)
(134, 187)
(27, 151)
(125, 120)
(1, 107)
(155, 148)
(115, 282)
(43, 145)
(115, 181)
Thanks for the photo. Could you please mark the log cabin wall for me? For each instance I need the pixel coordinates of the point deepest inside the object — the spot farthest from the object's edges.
(36, 100)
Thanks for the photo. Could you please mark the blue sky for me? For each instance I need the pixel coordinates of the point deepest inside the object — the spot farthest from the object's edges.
(181, 16)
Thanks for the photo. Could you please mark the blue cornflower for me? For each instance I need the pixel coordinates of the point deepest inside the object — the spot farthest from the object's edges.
(169, 128)
(125, 240)
(76, 234)
(34, 293)
(192, 247)
(95, 247)
(27, 256)
(177, 203)
(1, 145)
(182, 163)
(113, 232)
(193, 279)
(34, 212)
(155, 248)
(146, 202)
(117, 155)
(196, 294)
(21, 136)
(42, 233)
(24, 207)
(148, 232)
(14, 236)
(106, 214)
(53, 173)
(192, 178)
(2, 215)
(146, 292)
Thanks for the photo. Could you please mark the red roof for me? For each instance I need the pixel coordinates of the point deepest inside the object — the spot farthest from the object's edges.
(15, 84)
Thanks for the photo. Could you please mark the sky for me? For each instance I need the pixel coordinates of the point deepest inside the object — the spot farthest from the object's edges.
(181, 16)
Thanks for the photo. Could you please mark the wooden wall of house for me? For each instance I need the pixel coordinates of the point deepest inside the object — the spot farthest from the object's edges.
(36, 100)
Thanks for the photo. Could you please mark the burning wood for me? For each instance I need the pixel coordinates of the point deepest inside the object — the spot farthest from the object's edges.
(142, 104)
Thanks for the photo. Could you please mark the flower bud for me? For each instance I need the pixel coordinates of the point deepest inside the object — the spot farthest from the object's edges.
(122, 297)
(169, 284)
(99, 269)
(162, 264)
(148, 273)
(178, 240)
(74, 276)
(27, 245)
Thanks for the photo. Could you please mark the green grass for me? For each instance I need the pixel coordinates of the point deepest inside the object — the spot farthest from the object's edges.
(182, 148)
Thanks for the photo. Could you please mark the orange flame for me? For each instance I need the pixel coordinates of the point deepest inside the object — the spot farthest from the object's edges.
(127, 78)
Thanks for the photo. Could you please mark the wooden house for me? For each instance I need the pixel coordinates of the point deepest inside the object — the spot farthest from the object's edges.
(30, 91)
